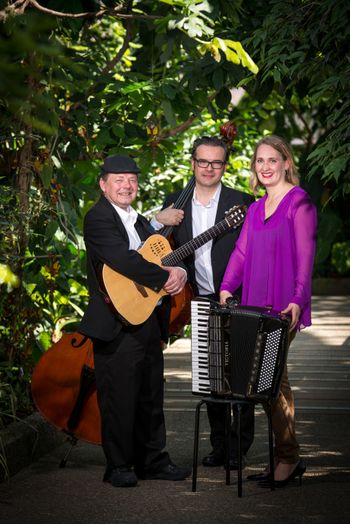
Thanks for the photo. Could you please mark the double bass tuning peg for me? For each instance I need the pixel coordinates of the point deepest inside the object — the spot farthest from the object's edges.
(228, 132)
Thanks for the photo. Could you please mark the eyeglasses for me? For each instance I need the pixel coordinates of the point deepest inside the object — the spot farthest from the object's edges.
(215, 164)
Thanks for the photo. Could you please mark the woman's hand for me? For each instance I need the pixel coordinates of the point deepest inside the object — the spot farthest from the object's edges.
(294, 311)
(223, 296)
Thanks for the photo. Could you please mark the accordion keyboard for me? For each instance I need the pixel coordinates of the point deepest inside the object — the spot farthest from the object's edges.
(199, 346)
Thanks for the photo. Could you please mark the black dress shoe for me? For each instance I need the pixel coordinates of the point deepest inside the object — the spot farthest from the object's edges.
(169, 472)
(214, 459)
(259, 476)
(121, 477)
(234, 463)
(217, 458)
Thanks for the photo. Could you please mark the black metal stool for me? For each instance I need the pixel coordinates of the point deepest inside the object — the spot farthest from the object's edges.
(230, 403)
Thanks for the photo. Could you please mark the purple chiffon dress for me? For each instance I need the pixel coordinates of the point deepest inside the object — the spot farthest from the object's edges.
(273, 258)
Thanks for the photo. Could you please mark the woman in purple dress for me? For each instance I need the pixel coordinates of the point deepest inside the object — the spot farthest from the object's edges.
(273, 261)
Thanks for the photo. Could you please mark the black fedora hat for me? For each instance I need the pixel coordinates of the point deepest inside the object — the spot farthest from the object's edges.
(119, 164)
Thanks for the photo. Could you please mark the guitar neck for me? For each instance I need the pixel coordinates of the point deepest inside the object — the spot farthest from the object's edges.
(172, 259)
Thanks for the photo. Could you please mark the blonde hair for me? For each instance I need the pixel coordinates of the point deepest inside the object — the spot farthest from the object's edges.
(292, 175)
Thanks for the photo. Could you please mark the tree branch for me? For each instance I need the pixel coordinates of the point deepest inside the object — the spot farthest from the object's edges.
(179, 129)
(110, 64)
(121, 51)
(185, 125)
(20, 6)
(39, 7)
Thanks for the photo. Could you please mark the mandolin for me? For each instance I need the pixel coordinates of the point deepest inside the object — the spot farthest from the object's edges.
(135, 302)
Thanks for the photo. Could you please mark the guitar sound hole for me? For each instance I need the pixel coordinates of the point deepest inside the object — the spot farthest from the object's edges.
(157, 249)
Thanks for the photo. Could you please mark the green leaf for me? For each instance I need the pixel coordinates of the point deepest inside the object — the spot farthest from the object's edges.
(168, 113)
(223, 98)
(138, 87)
(46, 175)
(133, 130)
(235, 53)
(218, 79)
(169, 91)
(104, 138)
(51, 229)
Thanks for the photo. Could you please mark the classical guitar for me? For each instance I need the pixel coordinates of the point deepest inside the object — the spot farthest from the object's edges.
(135, 302)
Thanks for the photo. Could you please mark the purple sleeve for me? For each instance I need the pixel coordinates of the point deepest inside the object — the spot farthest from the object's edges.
(305, 225)
(234, 271)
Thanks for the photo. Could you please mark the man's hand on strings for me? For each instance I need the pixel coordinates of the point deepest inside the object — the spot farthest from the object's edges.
(170, 216)
(176, 281)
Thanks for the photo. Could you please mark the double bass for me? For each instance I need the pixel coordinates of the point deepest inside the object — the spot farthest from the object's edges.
(64, 389)
(180, 313)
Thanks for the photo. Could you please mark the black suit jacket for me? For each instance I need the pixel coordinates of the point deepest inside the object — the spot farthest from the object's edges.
(222, 245)
(107, 242)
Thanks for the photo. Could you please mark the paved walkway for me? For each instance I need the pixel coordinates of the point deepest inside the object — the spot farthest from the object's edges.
(319, 363)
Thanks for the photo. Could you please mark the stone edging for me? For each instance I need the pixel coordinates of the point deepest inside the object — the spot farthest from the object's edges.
(331, 286)
(24, 442)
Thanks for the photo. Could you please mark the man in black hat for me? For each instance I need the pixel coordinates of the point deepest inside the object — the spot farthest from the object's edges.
(128, 358)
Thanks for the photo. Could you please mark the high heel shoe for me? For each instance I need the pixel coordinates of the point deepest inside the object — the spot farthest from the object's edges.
(264, 476)
(297, 472)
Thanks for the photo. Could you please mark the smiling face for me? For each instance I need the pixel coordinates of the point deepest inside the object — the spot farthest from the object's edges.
(270, 166)
(120, 188)
(209, 176)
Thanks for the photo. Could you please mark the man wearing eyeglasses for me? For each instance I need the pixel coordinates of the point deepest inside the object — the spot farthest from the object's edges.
(207, 206)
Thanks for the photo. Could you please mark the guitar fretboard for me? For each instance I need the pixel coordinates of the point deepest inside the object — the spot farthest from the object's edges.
(173, 258)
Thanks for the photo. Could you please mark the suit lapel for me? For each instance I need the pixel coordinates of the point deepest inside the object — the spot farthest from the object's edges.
(143, 228)
(223, 205)
(107, 208)
(188, 218)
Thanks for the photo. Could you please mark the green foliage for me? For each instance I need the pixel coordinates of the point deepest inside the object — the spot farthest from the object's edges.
(302, 50)
(341, 257)
(73, 90)
(329, 227)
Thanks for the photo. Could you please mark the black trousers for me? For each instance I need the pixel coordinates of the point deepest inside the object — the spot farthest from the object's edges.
(129, 382)
(217, 417)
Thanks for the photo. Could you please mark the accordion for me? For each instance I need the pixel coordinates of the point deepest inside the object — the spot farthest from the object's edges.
(237, 351)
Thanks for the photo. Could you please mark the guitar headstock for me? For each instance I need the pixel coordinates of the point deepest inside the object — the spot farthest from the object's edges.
(236, 215)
